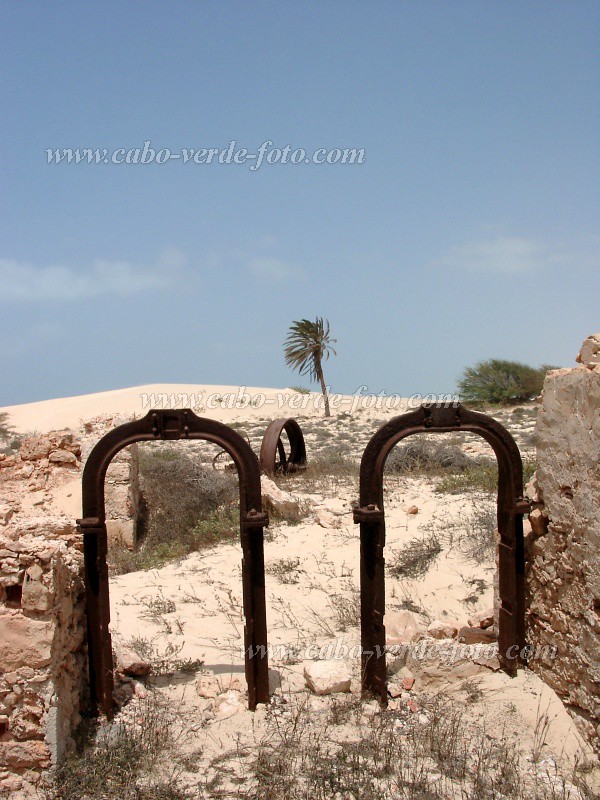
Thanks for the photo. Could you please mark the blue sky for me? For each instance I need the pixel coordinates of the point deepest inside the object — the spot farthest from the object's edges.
(470, 230)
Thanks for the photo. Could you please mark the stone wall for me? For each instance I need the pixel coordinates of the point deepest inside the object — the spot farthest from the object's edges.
(43, 664)
(122, 485)
(42, 656)
(563, 546)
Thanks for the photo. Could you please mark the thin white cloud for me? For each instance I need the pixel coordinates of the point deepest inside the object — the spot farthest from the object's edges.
(274, 268)
(20, 281)
(504, 254)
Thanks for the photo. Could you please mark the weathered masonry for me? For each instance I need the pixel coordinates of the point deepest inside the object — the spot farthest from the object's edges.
(563, 547)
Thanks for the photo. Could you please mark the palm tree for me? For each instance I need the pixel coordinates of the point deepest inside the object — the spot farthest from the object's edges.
(306, 346)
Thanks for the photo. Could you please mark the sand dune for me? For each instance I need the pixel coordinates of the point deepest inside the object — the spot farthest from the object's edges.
(225, 403)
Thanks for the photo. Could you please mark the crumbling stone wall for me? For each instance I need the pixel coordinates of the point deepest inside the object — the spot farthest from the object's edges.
(563, 546)
(122, 484)
(42, 657)
(43, 664)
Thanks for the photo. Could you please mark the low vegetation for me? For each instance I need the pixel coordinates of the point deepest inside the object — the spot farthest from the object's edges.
(414, 559)
(479, 476)
(346, 609)
(132, 761)
(187, 506)
(165, 660)
(303, 754)
(501, 382)
(424, 457)
(328, 470)
(437, 754)
(473, 531)
(286, 570)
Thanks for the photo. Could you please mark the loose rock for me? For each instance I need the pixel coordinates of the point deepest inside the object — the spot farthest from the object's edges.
(401, 627)
(129, 662)
(276, 499)
(482, 619)
(442, 630)
(468, 635)
(327, 677)
(63, 457)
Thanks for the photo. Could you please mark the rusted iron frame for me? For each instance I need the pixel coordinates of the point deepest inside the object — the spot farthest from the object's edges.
(172, 426)
(272, 446)
(439, 418)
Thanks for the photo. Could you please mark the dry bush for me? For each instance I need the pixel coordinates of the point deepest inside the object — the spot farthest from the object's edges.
(286, 570)
(346, 609)
(186, 506)
(167, 660)
(328, 470)
(179, 490)
(424, 457)
(133, 761)
(394, 754)
(413, 559)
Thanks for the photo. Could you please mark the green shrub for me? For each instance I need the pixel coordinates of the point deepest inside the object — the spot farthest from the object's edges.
(478, 477)
(502, 382)
(9, 440)
(220, 525)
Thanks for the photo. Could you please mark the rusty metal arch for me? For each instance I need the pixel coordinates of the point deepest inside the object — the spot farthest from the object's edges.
(511, 506)
(272, 446)
(169, 426)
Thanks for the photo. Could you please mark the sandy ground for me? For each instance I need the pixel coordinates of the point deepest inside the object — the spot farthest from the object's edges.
(191, 610)
(194, 608)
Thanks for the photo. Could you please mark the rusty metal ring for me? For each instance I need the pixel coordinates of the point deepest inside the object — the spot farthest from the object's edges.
(273, 457)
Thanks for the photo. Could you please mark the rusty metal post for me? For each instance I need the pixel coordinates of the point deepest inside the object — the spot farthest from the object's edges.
(255, 613)
(272, 447)
(170, 426)
(95, 546)
(432, 418)
(372, 600)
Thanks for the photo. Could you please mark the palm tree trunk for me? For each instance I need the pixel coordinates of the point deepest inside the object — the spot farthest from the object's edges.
(319, 371)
